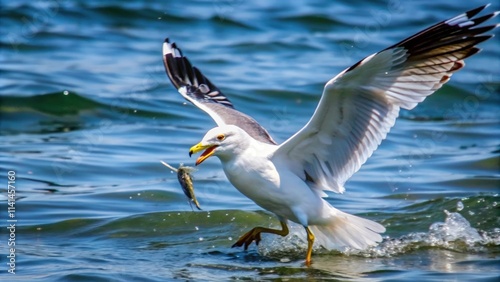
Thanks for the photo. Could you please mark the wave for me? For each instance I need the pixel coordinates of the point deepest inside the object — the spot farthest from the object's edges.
(454, 234)
(55, 103)
(71, 103)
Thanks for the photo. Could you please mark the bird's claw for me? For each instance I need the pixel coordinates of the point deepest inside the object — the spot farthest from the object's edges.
(248, 238)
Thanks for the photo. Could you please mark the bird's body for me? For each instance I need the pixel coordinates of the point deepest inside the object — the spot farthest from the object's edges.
(260, 173)
(357, 109)
(267, 183)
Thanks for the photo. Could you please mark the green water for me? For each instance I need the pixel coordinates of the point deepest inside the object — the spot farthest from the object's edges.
(87, 113)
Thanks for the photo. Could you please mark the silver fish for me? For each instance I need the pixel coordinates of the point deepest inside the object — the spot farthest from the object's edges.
(186, 181)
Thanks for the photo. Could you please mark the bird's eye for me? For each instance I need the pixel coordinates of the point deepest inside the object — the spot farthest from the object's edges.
(221, 137)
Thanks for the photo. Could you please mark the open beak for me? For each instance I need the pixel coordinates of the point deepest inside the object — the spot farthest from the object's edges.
(209, 150)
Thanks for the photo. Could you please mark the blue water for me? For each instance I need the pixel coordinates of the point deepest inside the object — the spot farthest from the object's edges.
(87, 113)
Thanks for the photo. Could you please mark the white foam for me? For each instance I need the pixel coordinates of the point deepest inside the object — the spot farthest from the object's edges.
(455, 234)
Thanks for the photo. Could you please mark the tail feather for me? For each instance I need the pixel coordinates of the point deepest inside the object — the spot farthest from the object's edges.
(346, 230)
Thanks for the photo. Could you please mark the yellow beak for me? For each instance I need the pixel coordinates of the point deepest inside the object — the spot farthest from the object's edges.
(199, 147)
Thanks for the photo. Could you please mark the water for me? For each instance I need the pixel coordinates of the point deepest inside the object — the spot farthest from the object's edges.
(87, 113)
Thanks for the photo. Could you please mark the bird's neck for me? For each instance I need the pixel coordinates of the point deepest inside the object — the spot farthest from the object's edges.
(249, 150)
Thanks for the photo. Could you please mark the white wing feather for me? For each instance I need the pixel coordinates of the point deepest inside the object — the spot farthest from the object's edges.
(359, 106)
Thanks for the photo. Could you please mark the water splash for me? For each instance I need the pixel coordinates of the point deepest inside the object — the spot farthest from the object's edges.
(455, 228)
(460, 206)
(455, 234)
(288, 248)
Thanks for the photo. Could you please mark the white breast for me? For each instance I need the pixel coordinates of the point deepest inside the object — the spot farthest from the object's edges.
(277, 190)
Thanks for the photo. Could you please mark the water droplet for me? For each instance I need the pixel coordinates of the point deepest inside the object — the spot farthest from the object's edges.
(138, 194)
(65, 92)
(230, 238)
(287, 259)
(200, 239)
(130, 197)
(472, 213)
(154, 229)
(494, 204)
(196, 227)
(460, 206)
(135, 111)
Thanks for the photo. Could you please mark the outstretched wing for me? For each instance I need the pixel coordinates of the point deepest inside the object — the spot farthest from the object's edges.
(197, 89)
(360, 105)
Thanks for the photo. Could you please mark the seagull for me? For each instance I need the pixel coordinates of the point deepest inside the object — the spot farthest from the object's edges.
(356, 110)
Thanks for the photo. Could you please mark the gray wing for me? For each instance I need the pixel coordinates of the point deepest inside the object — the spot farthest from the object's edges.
(360, 105)
(202, 93)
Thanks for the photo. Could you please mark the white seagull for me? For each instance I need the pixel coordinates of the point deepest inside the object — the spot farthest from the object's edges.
(357, 109)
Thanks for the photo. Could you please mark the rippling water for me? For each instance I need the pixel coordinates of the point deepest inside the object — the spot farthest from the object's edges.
(87, 113)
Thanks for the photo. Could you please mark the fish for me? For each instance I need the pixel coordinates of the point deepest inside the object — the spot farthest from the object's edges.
(186, 181)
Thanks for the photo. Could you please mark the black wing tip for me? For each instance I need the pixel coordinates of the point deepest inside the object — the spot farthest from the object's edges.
(469, 16)
(173, 60)
(171, 48)
(480, 20)
(184, 75)
(465, 25)
(475, 11)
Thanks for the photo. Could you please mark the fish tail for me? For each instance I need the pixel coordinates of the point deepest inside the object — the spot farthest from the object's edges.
(196, 203)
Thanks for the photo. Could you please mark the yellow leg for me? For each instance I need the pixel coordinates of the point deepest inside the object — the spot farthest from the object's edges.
(254, 235)
(310, 241)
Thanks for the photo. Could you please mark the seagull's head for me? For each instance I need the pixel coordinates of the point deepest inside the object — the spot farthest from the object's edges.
(224, 142)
